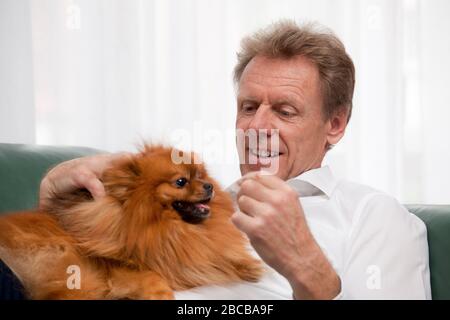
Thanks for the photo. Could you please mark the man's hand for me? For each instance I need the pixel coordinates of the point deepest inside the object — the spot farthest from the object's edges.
(76, 174)
(272, 217)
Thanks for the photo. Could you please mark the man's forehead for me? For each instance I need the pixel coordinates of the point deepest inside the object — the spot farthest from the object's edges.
(275, 94)
(296, 68)
(290, 75)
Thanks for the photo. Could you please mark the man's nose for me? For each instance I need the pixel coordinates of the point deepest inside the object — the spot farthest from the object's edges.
(262, 119)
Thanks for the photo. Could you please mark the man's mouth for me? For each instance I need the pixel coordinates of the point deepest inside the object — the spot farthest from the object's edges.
(264, 153)
(192, 212)
(263, 157)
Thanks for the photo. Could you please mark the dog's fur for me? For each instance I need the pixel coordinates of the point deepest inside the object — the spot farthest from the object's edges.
(132, 243)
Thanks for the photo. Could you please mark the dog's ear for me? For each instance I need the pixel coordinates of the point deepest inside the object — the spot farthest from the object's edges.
(122, 179)
(128, 167)
(132, 167)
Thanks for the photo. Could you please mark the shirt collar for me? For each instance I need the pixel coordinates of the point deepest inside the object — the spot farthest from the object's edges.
(314, 182)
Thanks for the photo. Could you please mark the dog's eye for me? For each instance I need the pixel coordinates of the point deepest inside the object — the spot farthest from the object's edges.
(181, 182)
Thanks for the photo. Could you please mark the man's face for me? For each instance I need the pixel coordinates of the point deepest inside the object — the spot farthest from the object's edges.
(283, 94)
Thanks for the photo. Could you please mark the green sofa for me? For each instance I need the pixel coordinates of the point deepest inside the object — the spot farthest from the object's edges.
(23, 166)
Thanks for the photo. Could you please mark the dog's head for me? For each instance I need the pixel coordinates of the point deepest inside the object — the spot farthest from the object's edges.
(164, 183)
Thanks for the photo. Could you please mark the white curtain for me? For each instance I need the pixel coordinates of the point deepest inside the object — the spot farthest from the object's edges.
(112, 73)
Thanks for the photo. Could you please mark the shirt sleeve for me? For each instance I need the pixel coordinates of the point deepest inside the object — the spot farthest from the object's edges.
(387, 253)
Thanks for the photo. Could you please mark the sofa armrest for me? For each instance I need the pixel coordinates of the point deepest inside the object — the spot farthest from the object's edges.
(437, 220)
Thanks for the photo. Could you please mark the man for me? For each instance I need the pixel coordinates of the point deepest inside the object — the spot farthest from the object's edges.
(321, 238)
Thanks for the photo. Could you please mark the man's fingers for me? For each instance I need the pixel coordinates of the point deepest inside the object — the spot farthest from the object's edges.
(268, 180)
(272, 182)
(254, 189)
(96, 188)
(242, 221)
(250, 206)
(249, 175)
(85, 177)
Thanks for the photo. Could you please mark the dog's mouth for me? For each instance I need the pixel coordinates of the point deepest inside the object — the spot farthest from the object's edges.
(193, 212)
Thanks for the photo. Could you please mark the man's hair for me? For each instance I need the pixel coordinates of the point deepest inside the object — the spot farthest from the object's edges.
(286, 39)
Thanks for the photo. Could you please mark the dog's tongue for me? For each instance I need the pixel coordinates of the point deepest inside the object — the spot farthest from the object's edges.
(202, 207)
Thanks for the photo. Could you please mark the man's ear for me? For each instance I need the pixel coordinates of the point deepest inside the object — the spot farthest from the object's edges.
(337, 124)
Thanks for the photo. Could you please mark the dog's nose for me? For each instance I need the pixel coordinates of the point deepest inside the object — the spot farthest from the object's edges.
(208, 187)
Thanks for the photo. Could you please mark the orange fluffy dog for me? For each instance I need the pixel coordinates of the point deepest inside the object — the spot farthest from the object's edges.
(161, 227)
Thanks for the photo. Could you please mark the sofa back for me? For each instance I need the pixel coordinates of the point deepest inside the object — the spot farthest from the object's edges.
(23, 166)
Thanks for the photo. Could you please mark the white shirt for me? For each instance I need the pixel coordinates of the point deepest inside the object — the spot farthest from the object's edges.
(376, 246)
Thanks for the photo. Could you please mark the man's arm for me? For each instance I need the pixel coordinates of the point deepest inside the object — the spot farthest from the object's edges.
(388, 253)
(272, 217)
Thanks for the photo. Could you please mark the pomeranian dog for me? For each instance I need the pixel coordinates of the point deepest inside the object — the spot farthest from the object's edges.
(161, 227)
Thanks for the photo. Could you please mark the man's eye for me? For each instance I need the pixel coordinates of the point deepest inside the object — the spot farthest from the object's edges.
(248, 108)
(181, 182)
(286, 113)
